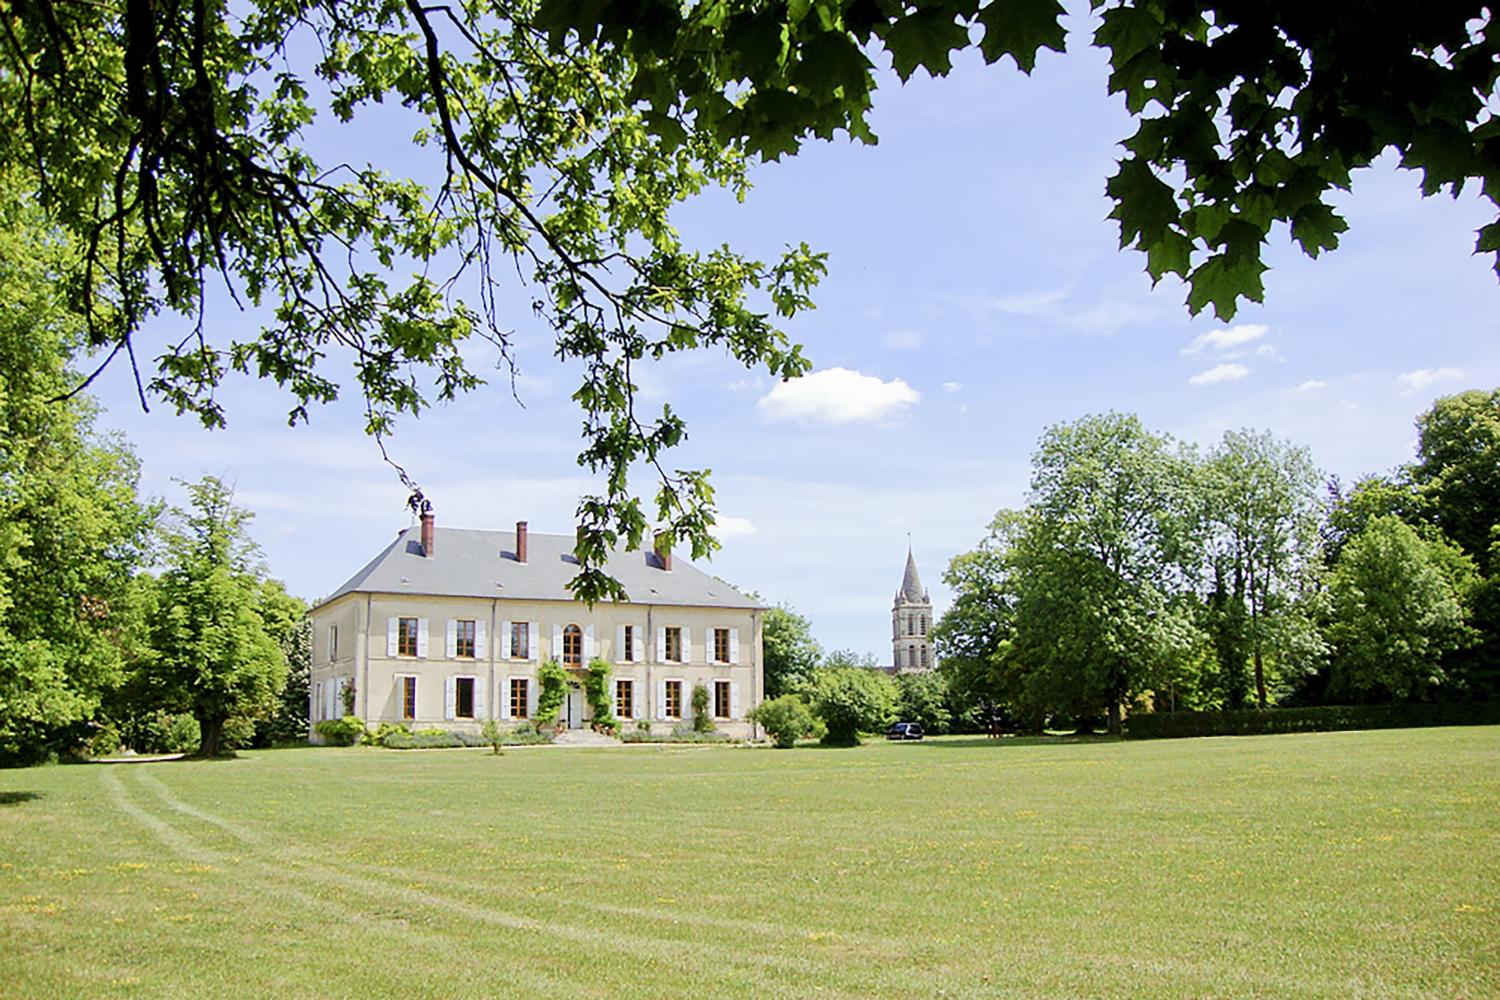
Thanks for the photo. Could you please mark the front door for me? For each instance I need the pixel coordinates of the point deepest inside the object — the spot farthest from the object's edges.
(575, 707)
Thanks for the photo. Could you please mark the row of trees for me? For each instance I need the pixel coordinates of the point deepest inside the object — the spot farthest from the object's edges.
(1145, 573)
(94, 649)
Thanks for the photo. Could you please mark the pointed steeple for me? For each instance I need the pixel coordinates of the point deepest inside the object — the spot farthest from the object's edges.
(911, 584)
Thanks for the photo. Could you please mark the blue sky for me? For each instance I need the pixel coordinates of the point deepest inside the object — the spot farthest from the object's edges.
(976, 295)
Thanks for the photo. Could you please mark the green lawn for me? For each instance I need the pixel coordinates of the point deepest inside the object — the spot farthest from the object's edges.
(1338, 865)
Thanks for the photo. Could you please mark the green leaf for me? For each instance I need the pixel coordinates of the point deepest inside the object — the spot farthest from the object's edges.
(1127, 32)
(1224, 279)
(1018, 28)
(926, 39)
(1316, 227)
(1144, 205)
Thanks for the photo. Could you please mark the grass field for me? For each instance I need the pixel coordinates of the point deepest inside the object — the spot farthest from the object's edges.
(1337, 865)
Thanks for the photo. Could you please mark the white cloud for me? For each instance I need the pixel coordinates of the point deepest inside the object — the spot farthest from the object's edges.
(837, 396)
(1223, 340)
(1416, 381)
(903, 340)
(1219, 373)
(1310, 385)
(952, 387)
(726, 528)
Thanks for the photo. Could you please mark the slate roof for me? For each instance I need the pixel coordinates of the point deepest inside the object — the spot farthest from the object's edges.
(911, 584)
(473, 563)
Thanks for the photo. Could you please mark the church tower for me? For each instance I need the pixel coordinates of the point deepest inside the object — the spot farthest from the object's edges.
(911, 622)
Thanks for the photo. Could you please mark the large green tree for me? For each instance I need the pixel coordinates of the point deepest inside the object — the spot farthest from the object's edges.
(182, 145)
(1398, 608)
(1260, 519)
(213, 632)
(789, 651)
(71, 527)
(1458, 470)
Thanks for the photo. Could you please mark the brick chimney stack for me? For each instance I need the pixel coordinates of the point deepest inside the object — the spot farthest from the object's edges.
(664, 550)
(520, 541)
(427, 532)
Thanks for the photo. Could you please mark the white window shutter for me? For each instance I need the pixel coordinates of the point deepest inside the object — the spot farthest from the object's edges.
(504, 696)
(661, 699)
(687, 645)
(450, 697)
(557, 643)
(621, 653)
(450, 648)
(588, 643)
(505, 652)
(481, 702)
(392, 635)
(481, 651)
(734, 645)
(638, 640)
(734, 699)
(661, 644)
(637, 702)
(531, 692)
(422, 637)
(609, 692)
(533, 638)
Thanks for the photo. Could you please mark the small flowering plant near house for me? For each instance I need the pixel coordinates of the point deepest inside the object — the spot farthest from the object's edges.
(349, 693)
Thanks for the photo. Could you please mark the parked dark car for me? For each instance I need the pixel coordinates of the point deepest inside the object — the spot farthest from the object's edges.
(904, 731)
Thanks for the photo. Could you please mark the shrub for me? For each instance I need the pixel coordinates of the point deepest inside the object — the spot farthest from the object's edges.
(343, 732)
(852, 700)
(596, 690)
(703, 722)
(104, 741)
(376, 737)
(239, 733)
(1318, 719)
(553, 681)
(492, 735)
(786, 719)
(401, 738)
(683, 732)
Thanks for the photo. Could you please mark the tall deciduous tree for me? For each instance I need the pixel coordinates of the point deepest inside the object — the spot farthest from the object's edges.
(71, 527)
(1458, 470)
(1398, 607)
(789, 651)
(215, 654)
(1261, 515)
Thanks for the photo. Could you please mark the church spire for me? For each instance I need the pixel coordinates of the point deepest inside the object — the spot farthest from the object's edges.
(911, 583)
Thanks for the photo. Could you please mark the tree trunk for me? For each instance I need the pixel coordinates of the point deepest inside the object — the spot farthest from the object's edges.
(210, 737)
(1114, 717)
(1260, 678)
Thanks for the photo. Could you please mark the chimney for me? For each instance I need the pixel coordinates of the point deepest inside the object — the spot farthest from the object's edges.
(664, 550)
(520, 541)
(427, 533)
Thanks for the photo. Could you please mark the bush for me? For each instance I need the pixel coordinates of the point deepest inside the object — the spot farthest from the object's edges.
(853, 700)
(553, 681)
(786, 720)
(492, 735)
(683, 732)
(239, 733)
(1318, 719)
(703, 722)
(923, 697)
(596, 691)
(376, 737)
(343, 732)
(401, 738)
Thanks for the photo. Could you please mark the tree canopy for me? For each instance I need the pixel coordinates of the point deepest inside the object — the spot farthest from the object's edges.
(184, 150)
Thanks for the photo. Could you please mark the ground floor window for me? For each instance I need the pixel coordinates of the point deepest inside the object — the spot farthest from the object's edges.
(518, 707)
(721, 699)
(408, 697)
(463, 698)
(625, 698)
(673, 707)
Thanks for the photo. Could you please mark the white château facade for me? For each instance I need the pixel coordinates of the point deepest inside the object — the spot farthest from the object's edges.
(911, 623)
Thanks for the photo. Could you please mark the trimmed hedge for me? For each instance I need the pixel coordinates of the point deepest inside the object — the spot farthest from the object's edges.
(1317, 719)
(437, 739)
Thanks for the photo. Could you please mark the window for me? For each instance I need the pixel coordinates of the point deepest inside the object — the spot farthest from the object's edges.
(463, 643)
(924, 624)
(673, 708)
(627, 655)
(518, 702)
(674, 645)
(463, 698)
(911, 626)
(721, 645)
(333, 642)
(408, 697)
(721, 699)
(406, 637)
(625, 698)
(924, 656)
(572, 646)
(520, 642)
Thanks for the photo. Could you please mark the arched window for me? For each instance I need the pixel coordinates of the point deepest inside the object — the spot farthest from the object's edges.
(911, 627)
(924, 656)
(572, 646)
